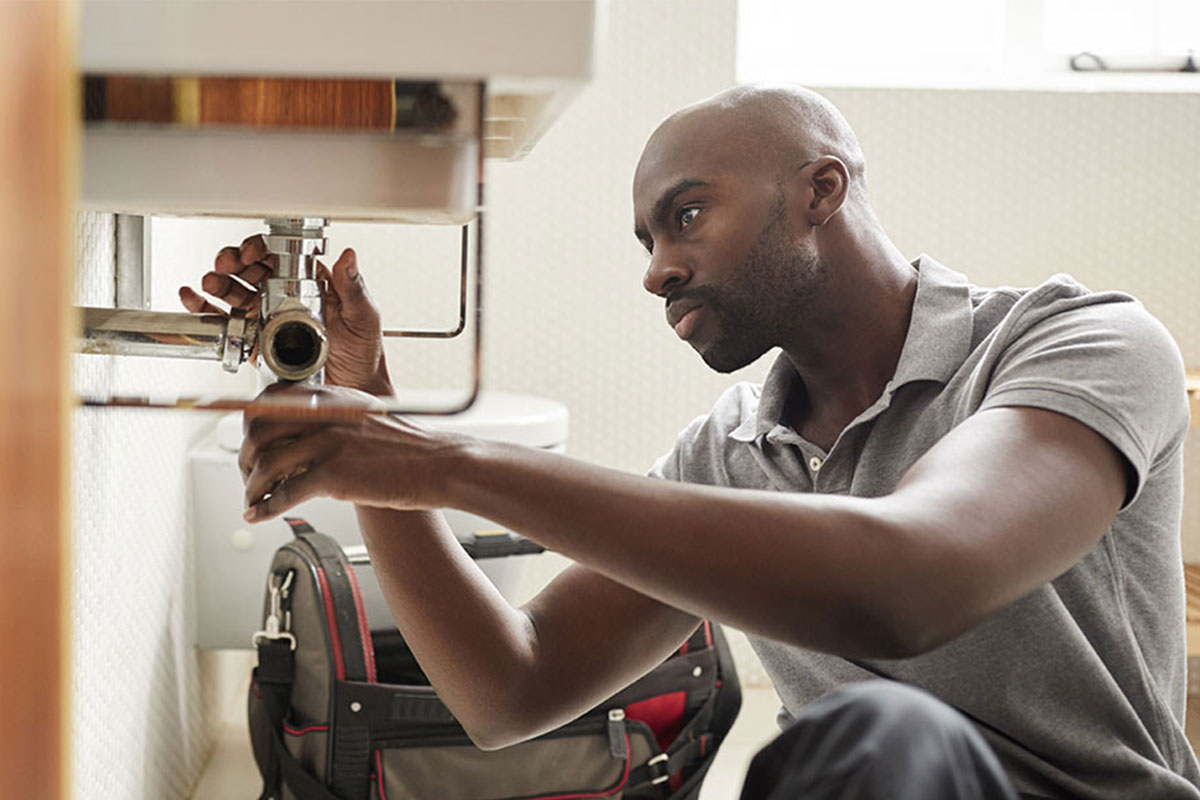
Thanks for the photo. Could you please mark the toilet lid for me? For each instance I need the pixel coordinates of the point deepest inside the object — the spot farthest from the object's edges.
(496, 416)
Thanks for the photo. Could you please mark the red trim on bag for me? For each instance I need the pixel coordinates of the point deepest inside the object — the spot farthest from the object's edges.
(379, 775)
(254, 688)
(708, 640)
(663, 713)
(605, 793)
(302, 731)
(364, 630)
(331, 620)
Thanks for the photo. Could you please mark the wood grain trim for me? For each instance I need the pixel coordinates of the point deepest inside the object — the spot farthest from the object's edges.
(1191, 579)
(251, 102)
(325, 104)
(38, 120)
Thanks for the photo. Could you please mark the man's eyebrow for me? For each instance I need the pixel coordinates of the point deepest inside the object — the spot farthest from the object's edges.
(668, 197)
(663, 206)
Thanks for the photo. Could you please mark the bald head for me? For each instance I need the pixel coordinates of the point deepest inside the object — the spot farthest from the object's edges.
(768, 127)
(752, 208)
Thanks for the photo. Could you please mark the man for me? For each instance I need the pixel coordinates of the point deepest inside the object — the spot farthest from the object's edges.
(974, 492)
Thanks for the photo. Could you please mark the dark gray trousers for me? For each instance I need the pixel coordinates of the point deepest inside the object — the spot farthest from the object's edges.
(878, 740)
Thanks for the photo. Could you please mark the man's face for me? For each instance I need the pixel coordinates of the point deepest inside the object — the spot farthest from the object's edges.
(723, 249)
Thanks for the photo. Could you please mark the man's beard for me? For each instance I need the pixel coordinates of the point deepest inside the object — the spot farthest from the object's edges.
(755, 310)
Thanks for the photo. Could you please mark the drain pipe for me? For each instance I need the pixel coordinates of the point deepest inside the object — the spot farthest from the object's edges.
(293, 341)
(132, 332)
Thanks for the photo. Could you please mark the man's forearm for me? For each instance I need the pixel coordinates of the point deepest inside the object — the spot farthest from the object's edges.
(474, 647)
(813, 570)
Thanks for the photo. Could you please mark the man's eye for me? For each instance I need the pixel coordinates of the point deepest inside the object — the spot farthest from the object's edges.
(686, 216)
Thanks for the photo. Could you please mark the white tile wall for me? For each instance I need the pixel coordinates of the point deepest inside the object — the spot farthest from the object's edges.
(141, 716)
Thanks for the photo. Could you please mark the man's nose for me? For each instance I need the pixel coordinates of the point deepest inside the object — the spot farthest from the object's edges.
(665, 274)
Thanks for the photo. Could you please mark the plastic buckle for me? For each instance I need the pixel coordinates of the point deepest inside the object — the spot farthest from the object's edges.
(654, 763)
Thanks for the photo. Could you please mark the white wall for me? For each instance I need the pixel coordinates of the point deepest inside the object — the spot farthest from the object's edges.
(1008, 187)
(144, 701)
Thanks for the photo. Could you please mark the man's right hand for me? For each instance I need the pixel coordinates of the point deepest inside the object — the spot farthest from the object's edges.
(352, 319)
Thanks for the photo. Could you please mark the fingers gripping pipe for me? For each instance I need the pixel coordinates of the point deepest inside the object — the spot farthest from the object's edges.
(290, 334)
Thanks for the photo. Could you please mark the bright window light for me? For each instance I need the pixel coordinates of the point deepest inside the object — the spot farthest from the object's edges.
(1178, 27)
(1141, 28)
(800, 39)
(855, 41)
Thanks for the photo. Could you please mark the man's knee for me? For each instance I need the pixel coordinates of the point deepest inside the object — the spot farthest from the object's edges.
(883, 707)
(861, 720)
(878, 739)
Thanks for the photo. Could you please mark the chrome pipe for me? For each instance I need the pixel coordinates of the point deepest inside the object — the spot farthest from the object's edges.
(132, 258)
(294, 345)
(133, 332)
(290, 331)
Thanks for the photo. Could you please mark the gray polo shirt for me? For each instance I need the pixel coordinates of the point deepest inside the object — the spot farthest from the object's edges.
(1079, 686)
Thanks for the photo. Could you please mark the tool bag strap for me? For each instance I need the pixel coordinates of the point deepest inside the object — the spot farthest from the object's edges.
(273, 676)
(701, 736)
(693, 742)
(658, 770)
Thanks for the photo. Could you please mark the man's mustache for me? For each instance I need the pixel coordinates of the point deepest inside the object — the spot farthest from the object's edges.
(704, 295)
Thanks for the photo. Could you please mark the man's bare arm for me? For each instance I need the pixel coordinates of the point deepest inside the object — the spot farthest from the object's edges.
(1007, 501)
(510, 674)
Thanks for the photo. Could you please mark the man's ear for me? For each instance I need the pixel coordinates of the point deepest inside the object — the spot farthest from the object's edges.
(825, 185)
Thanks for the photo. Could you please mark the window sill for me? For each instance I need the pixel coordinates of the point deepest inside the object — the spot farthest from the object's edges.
(1081, 82)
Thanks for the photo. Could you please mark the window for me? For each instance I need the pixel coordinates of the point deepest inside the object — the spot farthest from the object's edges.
(955, 41)
(1155, 31)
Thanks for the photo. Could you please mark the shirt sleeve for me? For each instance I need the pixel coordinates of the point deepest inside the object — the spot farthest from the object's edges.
(700, 449)
(669, 466)
(1109, 365)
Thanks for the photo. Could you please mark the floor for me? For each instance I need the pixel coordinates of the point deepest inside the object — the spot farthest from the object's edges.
(230, 773)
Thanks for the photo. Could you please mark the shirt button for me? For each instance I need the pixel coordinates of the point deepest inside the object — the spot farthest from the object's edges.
(814, 463)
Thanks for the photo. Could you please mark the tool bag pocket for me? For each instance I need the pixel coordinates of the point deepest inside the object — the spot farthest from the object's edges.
(591, 757)
(338, 711)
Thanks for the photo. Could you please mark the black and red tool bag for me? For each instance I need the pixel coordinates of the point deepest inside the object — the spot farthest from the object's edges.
(342, 712)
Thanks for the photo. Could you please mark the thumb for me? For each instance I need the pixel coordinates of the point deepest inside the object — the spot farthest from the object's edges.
(347, 281)
(354, 303)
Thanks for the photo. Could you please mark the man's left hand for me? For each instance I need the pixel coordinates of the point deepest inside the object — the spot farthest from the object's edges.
(368, 459)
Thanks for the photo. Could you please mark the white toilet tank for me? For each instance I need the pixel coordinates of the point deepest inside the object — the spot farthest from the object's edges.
(230, 557)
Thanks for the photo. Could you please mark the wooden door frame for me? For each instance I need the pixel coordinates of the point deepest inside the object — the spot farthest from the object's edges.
(38, 136)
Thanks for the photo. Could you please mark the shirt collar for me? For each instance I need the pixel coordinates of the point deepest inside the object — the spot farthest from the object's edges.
(939, 333)
(938, 341)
